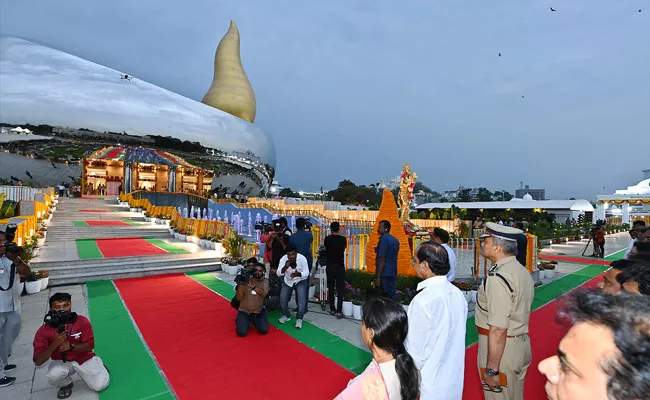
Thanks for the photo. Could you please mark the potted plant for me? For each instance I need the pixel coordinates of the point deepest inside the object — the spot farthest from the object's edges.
(347, 300)
(202, 241)
(356, 303)
(45, 278)
(32, 284)
(182, 235)
(312, 289)
(217, 244)
(404, 297)
(549, 270)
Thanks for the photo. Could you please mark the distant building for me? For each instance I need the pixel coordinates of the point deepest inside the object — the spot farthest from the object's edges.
(536, 194)
(421, 197)
(275, 188)
(391, 184)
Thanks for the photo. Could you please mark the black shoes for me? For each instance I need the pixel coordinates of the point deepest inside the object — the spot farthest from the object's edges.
(10, 367)
(6, 381)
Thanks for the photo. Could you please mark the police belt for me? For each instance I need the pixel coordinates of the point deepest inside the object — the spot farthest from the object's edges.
(485, 332)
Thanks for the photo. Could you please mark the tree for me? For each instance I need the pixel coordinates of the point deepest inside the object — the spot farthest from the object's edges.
(463, 195)
(502, 195)
(287, 192)
(349, 193)
(484, 195)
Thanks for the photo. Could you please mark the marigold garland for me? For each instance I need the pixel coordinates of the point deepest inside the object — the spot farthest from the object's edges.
(388, 211)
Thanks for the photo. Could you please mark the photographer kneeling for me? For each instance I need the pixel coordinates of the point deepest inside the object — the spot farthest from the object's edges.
(68, 339)
(251, 297)
(248, 270)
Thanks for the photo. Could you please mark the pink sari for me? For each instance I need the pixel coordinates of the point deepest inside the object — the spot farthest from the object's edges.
(369, 385)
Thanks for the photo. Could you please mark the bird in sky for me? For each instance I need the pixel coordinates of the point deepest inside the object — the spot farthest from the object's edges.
(499, 54)
(552, 9)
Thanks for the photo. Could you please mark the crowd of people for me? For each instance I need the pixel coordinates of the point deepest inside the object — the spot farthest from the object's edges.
(416, 354)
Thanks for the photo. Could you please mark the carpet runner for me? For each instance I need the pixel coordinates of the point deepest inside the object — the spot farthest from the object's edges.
(100, 223)
(191, 332)
(579, 260)
(125, 247)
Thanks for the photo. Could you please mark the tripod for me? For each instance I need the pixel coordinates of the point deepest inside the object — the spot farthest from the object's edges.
(596, 252)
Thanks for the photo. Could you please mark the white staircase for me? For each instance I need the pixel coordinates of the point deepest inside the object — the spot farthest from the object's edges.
(59, 254)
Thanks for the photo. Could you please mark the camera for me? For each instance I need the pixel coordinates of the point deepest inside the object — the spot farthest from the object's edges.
(244, 276)
(58, 319)
(263, 226)
(13, 248)
(321, 261)
(10, 230)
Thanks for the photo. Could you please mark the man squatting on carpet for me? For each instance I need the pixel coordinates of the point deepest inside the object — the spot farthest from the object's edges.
(70, 347)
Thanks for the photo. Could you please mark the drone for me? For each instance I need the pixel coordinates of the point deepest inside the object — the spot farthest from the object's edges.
(126, 76)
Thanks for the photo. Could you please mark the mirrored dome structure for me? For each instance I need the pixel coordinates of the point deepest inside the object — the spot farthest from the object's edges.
(65, 119)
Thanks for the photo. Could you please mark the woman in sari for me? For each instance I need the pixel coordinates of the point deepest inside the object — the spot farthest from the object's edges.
(392, 374)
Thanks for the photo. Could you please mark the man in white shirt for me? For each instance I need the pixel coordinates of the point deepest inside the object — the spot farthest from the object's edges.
(10, 267)
(441, 237)
(437, 318)
(295, 270)
(638, 229)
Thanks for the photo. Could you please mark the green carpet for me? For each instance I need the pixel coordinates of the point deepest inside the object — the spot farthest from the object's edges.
(546, 293)
(134, 374)
(331, 346)
(79, 223)
(137, 223)
(167, 246)
(87, 248)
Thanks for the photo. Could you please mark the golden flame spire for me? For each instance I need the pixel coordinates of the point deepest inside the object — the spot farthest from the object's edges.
(231, 91)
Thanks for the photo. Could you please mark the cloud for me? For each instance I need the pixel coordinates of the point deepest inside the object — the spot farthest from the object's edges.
(354, 89)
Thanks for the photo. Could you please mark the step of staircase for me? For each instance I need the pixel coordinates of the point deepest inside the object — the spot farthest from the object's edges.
(99, 235)
(77, 271)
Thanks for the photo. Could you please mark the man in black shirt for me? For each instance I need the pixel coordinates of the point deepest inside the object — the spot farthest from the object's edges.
(279, 240)
(335, 246)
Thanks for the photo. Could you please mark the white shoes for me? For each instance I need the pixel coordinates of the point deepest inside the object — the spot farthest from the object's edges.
(299, 323)
(284, 319)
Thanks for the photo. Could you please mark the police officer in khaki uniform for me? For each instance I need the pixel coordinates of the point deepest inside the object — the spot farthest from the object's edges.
(502, 312)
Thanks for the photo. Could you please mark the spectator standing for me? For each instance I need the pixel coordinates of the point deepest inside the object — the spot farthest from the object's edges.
(502, 314)
(10, 321)
(302, 240)
(392, 374)
(265, 238)
(386, 267)
(335, 246)
(437, 318)
(441, 237)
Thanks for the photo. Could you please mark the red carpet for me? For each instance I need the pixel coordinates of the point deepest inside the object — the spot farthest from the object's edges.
(580, 260)
(545, 335)
(191, 332)
(93, 211)
(127, 247)
(106, 223)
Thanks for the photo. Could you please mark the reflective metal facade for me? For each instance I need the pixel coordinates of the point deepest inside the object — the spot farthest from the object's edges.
(77, 107)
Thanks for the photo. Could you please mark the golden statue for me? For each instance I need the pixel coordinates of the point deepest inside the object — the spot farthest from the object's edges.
(231, 90)
(406, 186)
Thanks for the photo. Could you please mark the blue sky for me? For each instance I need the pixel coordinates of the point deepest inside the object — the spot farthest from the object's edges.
(352, 89)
